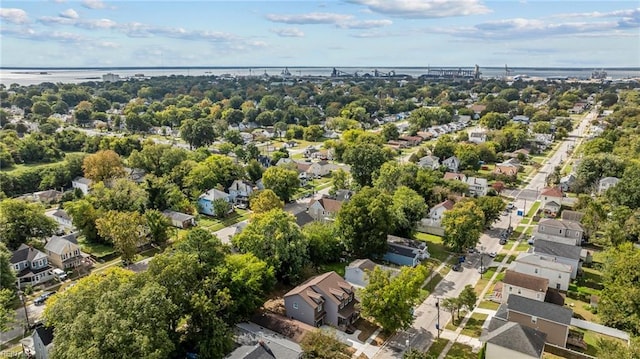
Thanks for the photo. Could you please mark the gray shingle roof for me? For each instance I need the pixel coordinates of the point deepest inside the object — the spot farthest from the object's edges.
(178, 216)
(547, 311)
(555, 249)
(58, 244)
(24, 253)
(517, 337)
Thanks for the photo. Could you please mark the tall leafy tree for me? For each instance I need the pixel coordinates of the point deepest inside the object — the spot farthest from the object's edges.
(619, 304)
(491, 208)
(121, 195)
(325, 245)
(463, 225)
(158, 226)
(197, 133)
(319, 344)
(389, 301)
(124, 230)
(408, 208)
(102, 166)
(281, 181)
(365, 221)
(275, 238)
(7, 313)
(264, 201)
(365, 159)
(21, 221)
(7, 274)
(84, 216)
(393, 175)
(254, 170)
(215, 170)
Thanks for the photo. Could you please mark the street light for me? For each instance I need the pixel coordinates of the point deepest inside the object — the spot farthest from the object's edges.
(438, 320)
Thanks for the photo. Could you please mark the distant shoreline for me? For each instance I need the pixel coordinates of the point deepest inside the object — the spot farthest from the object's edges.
(19, 68)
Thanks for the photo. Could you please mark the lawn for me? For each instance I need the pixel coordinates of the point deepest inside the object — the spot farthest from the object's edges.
(95, 249)
(335, 267)
(433, 282)
(533, 209)
(523, 246)
(214, 224)
(474, 325)
(436, 347)
(484, 280)
(592, 338)
(437, 249)
(581, 310)
(16, 169)
(461, 351)
(487, 304)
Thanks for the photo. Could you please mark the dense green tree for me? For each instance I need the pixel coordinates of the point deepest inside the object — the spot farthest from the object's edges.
(393, 175)
(616, 349)
(221, 208)
(157, 226)
(389, 301)
(197, 133)
(339, 180)
(494, 120)
(124, 230)
(283, 182)
(414, 353)
(592, 168)
(275, 238)
(491, 208)
(7, 274)
(619, 304)
(254, 170)
(206, 247)
(216, 170)
(103, 166)
(325, 245)
(41, 108)
(313, 133)
(157, 159)
(122, 195)
(113, 314)
(84, 216)
(444, 147)
(365, 221)
(390, 131)
(21, 221)
(319, 344)
(469, 157)
(365, 159)
(468, 297)
(627, 191)
(408, 208)
(264, 201)
(7, 313)
(463, 225)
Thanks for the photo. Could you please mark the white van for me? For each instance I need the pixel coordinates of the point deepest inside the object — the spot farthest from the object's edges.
(60, 274)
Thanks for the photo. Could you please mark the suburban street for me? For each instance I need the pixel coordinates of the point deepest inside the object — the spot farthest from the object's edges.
(34, 312)
(423, 330)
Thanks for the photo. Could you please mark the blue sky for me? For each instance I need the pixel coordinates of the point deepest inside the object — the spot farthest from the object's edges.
(530, 33)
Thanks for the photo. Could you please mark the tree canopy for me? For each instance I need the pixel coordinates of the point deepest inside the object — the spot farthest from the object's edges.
(21, 221)
(463, 225)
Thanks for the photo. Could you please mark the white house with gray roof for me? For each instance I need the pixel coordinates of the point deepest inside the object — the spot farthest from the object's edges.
(560, 252)
(430, 161)
(514, 341)
(606, 183)
(83, 184)
(477, 186)
(567, 232)
(558, 274)
(31, 266)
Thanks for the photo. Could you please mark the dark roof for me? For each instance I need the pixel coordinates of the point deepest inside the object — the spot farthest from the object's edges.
(557, 249)
(303, 218)
(527, 281)
(45, 334)
(518, 338)
(547, 311)
(24, 253)
(401, 250)
(502, 312)
(178, 216)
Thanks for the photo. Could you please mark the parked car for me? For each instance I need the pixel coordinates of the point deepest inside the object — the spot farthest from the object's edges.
(493, 254)
(60, 274)
(503, 241)
(457, 267)
(511, 205)
(482, 269)
(43, 298)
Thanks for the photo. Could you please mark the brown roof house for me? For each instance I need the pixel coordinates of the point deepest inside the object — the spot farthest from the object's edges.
(551, 319)
(324, 208)
(323, 299)
(525, 285)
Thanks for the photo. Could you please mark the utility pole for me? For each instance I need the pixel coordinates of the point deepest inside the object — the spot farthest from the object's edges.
(24, 305)
(438, 320)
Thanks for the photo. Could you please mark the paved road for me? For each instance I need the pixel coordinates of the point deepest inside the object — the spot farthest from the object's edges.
(34, 311)
(423, 330)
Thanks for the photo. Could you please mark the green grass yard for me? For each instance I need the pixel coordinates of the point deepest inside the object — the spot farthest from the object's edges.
(437, 346)
(473, 328)
(95, 249)
(214, 224)
(437, 249)
(461, 351)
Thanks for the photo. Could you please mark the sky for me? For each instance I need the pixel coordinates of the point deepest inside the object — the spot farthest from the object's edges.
(385, 33)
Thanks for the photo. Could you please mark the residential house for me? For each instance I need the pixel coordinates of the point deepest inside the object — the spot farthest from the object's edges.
(303, 218)
(321, 169)
(551, 200)
(42, 342)
(179, 219)
(478, 136)
(430, 161)
(514, 341)
(566, 182)
(257, 342)
(239, 193)
(552, 319)
(567, 232)
(205, 201)
(135, 174)
(452, 163)
(405, 251)
(530, 286)
(48, 196)
(437, 211)
(563, 253)
(61, 217)
(477, 109)
(323, 155)
(323, 299)
(411, 140)
(84, 184)
(64, 252)
(521, 119)
(505, 169)
(477, 186)
(31, 266)
(357, 272)
(425, 135)
(455, 176)
(558, 274)
(324, 208)
(606, 183)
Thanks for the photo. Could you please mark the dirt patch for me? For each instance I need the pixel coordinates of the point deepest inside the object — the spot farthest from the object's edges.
(290, 328)
(366, 327)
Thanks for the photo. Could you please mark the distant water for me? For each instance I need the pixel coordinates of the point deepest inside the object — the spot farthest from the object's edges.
(31, 76)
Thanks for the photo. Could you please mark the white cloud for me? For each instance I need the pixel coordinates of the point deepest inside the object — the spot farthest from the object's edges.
(424, 9)
(14, 16)
(597, 14)
(310, 18)
(288, 32)
(93, 4)
(97, 24)
(365, 24)
(69, 14)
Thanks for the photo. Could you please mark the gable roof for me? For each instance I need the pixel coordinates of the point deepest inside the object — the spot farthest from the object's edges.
(329, 204)
(303, 218)
(568, 215)
(610, 180)
(177, 216)
(518, 338)
(213, 194)
(561, 224)
(323, 287)
(25, 253)
(58, 245)
(61, 213)
(454, 176)
(552, 192)
(542, 261)
(547, 311)
(477, 180)
(447, 204)
(527, 281)
(556, 249)
(82, 180)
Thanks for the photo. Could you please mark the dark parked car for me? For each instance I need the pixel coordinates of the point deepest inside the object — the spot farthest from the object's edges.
(457, 267)
(503, 241)
(43, 298)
